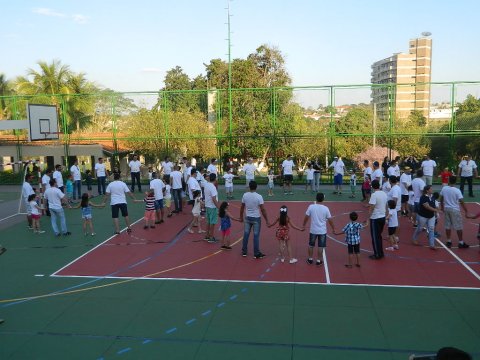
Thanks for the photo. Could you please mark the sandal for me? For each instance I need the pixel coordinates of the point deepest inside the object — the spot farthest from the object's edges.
(348, 266)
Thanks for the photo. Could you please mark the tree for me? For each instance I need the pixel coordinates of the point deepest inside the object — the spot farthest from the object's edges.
(5, 90)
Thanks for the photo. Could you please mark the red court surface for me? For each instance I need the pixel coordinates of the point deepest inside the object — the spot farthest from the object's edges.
(170, 252)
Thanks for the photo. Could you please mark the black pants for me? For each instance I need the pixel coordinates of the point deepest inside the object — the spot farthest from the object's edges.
(101, 186)
(469, 180)
(136, 177)
(376, 228)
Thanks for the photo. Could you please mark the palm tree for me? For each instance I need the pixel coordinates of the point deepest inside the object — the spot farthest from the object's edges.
(5, 89)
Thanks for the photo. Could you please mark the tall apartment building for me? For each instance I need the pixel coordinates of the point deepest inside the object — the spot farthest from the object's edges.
(408, 72)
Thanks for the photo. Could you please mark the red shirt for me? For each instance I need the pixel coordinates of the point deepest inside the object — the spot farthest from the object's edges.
(445, 175)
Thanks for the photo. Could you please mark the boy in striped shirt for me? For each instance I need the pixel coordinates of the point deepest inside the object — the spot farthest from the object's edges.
(149, 215)
(352, 238)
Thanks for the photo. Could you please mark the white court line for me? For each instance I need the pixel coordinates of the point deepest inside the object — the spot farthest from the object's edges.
(325, 264)
(111, 237)
(8, 217)
(473, 272)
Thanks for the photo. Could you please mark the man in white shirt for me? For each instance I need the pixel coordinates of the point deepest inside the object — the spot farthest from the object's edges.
(228, 177)
(116, 190)
(167, 168)
(211, 206)
(135, 166)
(212, 167)
(377, 173)
(77, 180)
(27, 190)
(319, 215)
(57, 175)
(417, 187)
(428, 167)
(367, 170)
(158, 188)
(45, 185)
(192, 185)
(405, 182)
(176, 184)
(101, 175)
(249, 169)
(450, 201)
(395, 192)
(55, 199)
(393, 169)
(287, 171)
(252, 202)
(338, 172)
(467, 169)
(377, 214)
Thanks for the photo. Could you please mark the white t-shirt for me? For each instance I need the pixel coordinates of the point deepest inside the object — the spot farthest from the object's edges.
(54, 196)
(168, 194)
(57, 175)
(396, 193)
(27, 190)
(100, 169)
(167, 167)
(405, 182)
(176, 179)
(134, 166)
(252, 201)
(75, 171)
(338, 167)
(157, 185)
(467, 168)
(33, 208)
(451, 196)
(193, 185)
(228, 179)
(46, 181)
(187, 173)
(117, 190)
(318, 218)
(417, 186)
(309, 173)
(386, 187)
(378, 175)
(210, 192)
(249, 170)
(428, 166)
(393, 219)
(367, 171)
(391, 171)
(212, 169)
(287, 167)
(379, 200)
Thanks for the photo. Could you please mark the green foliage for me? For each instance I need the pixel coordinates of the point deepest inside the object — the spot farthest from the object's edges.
(8, 177)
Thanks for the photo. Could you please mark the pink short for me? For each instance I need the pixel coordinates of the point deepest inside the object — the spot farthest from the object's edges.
(226, 232)
(36, 217)
(149, 215)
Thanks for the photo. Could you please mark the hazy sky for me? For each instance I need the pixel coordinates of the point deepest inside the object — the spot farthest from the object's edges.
(129, 45)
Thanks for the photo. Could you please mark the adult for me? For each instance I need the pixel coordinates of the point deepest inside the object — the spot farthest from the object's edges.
(428, 167)
(193, 185)
(405, 182)
(395, 192)
(426, 216)
(249, 169)
(158, 188)
(57, 175)
(252, 202)
(211, 206)
(377, 214)
(287, 170)
(77, 180)
(385, 166)
(377, 173)
(317, 175)
(466, 170)
(338, 172)
(116, 190)
(176, 185)
(417, 187)
(55, 199)
(45, 185)
(212, 167)
(101, 175)
(167, 168)
(367, 170)
(394, 169)
(27, 190)
(135, 166)
(450, 201)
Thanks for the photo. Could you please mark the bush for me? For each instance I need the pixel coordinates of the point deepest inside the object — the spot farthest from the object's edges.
(8, 177)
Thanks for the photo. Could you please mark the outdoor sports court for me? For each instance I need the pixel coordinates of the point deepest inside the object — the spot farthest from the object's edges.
(165, 293)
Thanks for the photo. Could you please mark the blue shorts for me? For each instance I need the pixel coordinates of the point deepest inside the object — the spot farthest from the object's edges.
(158, 204)
(322, 240)
(338, 179)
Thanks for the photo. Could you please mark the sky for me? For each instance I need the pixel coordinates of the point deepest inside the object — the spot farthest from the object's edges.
(130, 45)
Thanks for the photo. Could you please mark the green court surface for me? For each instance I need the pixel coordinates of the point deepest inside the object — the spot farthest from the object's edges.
(174, 319)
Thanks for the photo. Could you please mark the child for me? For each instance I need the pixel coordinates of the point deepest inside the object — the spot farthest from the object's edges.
(88, 181)
(35, 211)
(225, 225)
(353, 183)
(352, 238)
(309, 173)
(445, 175)
(168, 195)
(150, 172)
(270, 185)
(366, 188)
(149, 214)
(229, 184)
(282, 234)
(196, 210)
(411, 204)
(392, 219)
(86, 207)
(386, 187)
(69, 188)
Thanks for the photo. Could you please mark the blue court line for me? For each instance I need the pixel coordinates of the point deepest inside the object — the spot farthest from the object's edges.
(221, 304)
(206, 313)
(129, 267)
(171, 330)
(233, 297)
(191, 321)
(120, 352)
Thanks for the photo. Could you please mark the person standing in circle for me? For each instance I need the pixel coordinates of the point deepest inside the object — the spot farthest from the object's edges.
(377, 214)
(101, 174)
(135, 166)
(467, 169)
(287, 170)
(77, 180)
(338, 172)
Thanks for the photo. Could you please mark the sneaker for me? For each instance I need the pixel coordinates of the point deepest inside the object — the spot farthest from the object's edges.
(2, 250)
(201, 231)
(310, 261)
(190, 231)
(224, 247)
(259, 256)
(152, 226)
(396, 247)
(212, 240)
(244, 254)
(41, 232)
(85, 234)
(390, 248)
(293, 261)
(67, 233)
(282, 260)
(129, 230)
(145, 227)
(448, 244)
(93, 234)
(116, 233)
(463, 245)
(206, 238)
(319, 262)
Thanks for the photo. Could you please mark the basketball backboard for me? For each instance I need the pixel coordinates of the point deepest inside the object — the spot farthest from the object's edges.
(43, 121)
